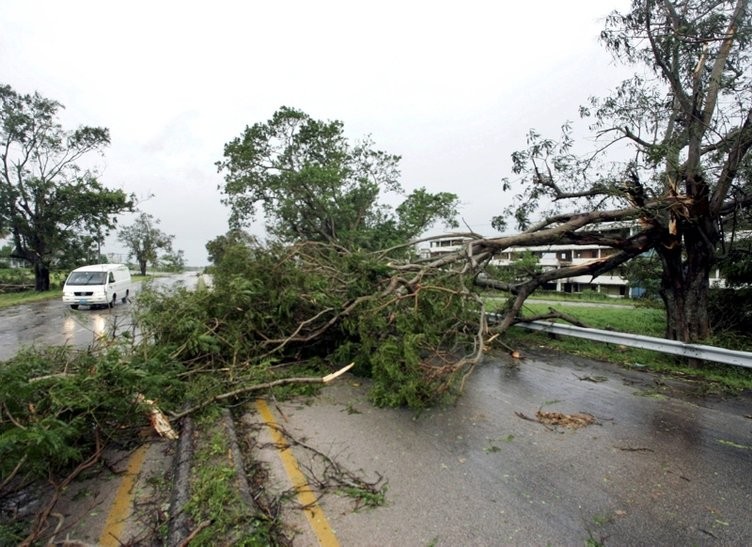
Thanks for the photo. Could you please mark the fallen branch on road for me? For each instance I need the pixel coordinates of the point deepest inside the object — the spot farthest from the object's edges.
(258, 387)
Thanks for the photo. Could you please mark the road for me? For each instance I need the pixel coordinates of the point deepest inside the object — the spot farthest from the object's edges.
(52, 323)
(663, 464)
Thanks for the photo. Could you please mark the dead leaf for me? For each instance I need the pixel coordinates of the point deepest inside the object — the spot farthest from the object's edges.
(573, 421)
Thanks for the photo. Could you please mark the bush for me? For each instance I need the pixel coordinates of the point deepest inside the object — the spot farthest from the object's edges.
(730, 310)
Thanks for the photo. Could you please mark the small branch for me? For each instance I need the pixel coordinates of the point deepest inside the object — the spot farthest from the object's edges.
(553, 314)
(11, 418)
(195, 532)
(259, 387)
(13, 473)
(40, 521)
(49, 377)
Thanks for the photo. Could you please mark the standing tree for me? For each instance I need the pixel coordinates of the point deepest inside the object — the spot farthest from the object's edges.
(217, 247)
(315, 185)
(686, 123)
(51, 207)
(173, 261)
(143, 239)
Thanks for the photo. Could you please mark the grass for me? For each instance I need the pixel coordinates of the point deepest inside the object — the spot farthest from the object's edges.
(640, 320)
(647, 321)
(25, 297)
(21, 276)
(585, 296)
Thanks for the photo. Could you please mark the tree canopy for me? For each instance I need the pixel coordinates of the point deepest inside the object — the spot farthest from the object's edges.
(313, 184)
(144, 240)
(51, 207)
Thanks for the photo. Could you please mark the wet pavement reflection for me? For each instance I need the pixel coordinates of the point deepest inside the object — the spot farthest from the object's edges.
(53, 323)
(662, 464)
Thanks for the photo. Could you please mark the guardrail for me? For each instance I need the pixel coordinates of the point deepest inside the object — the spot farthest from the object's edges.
(694, 351)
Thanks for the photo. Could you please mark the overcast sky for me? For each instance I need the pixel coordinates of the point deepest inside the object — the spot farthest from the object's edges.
(452, 87)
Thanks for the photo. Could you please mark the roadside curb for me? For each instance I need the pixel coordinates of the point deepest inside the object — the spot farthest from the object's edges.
(180, 523)
(241, 480)
(179, 526)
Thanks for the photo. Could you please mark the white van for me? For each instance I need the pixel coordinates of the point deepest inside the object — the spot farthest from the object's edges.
(97, 285)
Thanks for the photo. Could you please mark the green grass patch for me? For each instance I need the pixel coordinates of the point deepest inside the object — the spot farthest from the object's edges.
(26, 297)
(646, 321)
(12, 278)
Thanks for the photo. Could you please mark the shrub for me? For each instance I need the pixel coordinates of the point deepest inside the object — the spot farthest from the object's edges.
(730, 310)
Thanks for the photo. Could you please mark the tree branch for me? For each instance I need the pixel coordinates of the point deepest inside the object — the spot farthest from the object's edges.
(260, 387)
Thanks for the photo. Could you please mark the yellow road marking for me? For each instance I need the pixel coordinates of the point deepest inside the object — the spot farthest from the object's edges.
(121, 505)
(306, 497)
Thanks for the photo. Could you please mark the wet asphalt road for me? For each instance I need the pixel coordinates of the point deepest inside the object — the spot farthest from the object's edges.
(53, 323)
(664, 465)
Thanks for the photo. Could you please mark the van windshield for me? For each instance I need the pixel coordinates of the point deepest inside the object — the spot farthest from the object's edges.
(86, 278)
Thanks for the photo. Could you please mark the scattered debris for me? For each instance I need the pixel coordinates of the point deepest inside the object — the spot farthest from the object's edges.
(324, 474)
(594, 379)
(634, 449)
(572, 421)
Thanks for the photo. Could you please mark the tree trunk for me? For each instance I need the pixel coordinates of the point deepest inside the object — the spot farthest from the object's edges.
(41, 277)
(684, 289)
(142, 266)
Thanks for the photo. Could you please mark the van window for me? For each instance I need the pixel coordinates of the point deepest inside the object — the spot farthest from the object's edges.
(86, 278)
(112, 278)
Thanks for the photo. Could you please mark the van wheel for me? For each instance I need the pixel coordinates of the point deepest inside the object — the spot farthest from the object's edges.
(125, 298)
(74, 306)
(112, 302)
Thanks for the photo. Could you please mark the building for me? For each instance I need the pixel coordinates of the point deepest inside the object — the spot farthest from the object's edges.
(550, 257)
